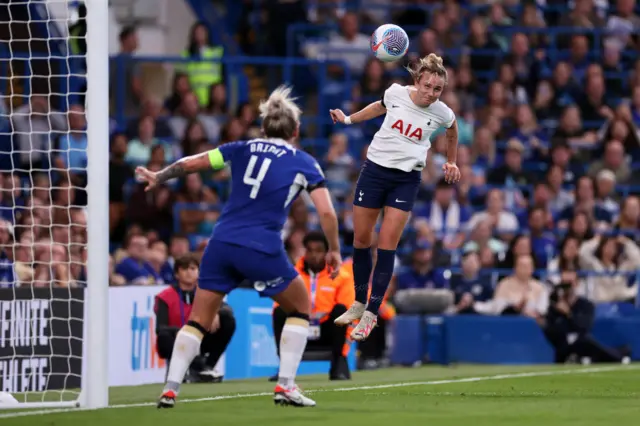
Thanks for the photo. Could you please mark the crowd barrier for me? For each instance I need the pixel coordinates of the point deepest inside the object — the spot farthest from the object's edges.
(133, 359)
(493, 340)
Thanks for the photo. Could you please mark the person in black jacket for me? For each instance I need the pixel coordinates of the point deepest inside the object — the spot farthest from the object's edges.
(173, 306)
(568, 326)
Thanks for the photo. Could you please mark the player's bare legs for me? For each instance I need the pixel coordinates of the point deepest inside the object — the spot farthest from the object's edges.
(187, 345)
(364, 222)
(391, 230)
(294, 300)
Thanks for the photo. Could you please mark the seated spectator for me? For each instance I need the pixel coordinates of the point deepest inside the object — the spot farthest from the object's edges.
(581, 227)
(139, 150)
(189, 111)
(568, 326)
(422, 287)
(339, 166)
(501, 220)
(585, 202)
(518, 294)
(151, 107)
(152, 209)
(178, 247)
(195, 193)
(158, 265)
(482, 238)
(115, 279)
(560, 197)
(330, 298)
(173, 308)
(134, 267)
(180, 87)
(611, 257)
(605, 192)
(629, 220)
(349, 45)
(471, 285)
(561, 156)
(614, 161)
(543, 241)
(567, 260)
(446, 217)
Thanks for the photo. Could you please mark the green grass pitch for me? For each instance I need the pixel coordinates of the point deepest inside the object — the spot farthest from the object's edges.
(468, 395)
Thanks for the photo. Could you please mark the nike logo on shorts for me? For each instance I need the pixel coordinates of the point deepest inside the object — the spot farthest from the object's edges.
(400, 201)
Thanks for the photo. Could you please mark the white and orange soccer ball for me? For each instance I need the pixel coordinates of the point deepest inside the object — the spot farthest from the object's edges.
(389, 43)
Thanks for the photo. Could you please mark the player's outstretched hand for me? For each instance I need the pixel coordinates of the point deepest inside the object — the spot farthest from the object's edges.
(145, 175)
(337, 115)
(334, 260)
(451, 172)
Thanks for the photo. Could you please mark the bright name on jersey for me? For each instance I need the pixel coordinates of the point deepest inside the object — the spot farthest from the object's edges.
(266, 148)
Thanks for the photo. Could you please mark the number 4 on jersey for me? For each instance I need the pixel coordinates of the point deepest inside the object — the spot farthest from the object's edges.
(257, 181)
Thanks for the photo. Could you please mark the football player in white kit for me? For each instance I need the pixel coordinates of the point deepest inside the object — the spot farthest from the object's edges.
(390, 178)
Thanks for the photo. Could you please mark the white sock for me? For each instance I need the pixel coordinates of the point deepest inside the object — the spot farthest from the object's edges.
(292, 344)
(185, 349)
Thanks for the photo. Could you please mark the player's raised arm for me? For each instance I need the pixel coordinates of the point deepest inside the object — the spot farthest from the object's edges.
(450, 168)
(195, 163)
(373, 110)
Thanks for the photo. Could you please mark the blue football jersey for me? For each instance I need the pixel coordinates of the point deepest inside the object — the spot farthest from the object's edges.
(266, 177)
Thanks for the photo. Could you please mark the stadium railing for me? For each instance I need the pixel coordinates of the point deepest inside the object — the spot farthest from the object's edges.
(236, 80)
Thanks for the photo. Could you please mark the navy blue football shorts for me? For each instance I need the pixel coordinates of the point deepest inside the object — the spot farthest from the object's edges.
(225, 266)
(380, 186)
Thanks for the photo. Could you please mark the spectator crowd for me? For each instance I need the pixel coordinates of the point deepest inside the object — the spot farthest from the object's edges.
(547, 99)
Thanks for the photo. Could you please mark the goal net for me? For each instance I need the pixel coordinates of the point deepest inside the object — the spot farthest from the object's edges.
(53, 179)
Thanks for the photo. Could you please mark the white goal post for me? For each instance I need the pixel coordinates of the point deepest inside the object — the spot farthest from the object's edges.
(54, 312)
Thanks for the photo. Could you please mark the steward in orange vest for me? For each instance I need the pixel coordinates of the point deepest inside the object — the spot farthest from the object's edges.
(330, 298)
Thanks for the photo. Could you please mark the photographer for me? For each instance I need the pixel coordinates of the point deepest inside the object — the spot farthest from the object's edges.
(173, 306)
(568, 325)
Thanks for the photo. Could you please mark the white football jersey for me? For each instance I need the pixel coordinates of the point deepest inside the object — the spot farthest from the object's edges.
(403, 139)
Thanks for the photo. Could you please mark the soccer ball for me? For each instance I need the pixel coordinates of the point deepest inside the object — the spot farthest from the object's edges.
(389, 43)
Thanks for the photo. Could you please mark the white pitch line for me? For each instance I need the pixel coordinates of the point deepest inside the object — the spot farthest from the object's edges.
(347, 389)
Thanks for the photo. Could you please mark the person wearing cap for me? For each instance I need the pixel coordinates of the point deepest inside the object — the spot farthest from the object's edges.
(421, 288)
(447, 218)
(471, 285)
(614, 160)
(512, 168)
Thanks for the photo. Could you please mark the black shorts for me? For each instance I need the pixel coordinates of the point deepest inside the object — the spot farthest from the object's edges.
(380, 186)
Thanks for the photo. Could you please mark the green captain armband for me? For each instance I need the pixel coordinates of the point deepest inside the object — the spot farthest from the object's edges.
(216, 159)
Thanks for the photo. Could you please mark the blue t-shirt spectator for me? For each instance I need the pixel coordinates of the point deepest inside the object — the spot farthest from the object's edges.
(135, 272)
(479, 287)
(413, 279)
(7, 273)
(74, 152)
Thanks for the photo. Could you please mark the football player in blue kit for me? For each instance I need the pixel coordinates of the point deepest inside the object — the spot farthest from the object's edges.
(266, 177)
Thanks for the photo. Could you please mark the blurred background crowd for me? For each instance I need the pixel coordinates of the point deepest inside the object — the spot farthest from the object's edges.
(546, 94)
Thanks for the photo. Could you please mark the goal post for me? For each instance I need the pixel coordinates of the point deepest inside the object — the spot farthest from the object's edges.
(95, 386)
(54, 243)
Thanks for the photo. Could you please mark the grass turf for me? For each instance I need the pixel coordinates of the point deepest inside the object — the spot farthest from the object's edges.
(454, 396)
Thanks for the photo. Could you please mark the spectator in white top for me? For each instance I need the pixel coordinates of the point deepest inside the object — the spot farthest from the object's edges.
(623, 22)
(35, 126)
(605, 192)
(350, 45)
(503, 222)
(518, 294)
(611, 255)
